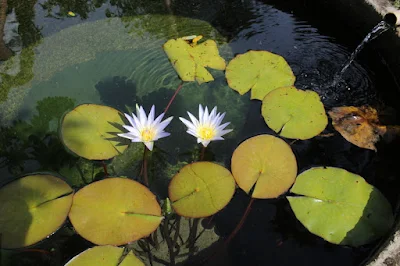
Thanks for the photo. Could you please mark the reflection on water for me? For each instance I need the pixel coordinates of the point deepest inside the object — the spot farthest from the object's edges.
(110, 53)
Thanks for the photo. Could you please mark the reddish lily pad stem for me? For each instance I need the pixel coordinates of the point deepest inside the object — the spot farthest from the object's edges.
(173, 97)
(240, 224)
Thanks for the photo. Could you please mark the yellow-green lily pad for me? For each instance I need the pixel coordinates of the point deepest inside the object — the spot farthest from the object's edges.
(340, 206)
(90, 131)
(105, 256)
(260, 71)
(293, 113)
(266, 162)
(190, 61)
(115, 211)
(201, 189)
(32, 208)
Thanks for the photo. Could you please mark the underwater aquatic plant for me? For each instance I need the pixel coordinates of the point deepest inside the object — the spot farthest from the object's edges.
(208, 127)
(144, 128)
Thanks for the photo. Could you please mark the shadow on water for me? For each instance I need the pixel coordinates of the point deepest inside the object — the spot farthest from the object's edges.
(117, 92)
(35, 145)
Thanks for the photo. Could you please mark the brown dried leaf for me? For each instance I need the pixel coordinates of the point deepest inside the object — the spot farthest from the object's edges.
(358, 125)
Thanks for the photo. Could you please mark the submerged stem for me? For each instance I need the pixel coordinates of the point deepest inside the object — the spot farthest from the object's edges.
(240, 224)
(104, 168)
(173, 97)
(145, 177)
(203, 152)
(169, 241)
(192, 235)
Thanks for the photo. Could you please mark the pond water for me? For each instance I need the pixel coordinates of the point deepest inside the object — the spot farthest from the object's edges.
(110, 53)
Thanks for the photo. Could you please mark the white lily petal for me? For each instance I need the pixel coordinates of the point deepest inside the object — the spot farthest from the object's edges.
(213, 112)
(194, 134)
(142, 116)
(221, 127)
(129, 136)
(194, 120)
(205, 116)
(219, 120)
(160, 127)
(158, 119)
(201, 114)
(126, 135)
(149, 145)
(207, 127)
(139, 126)
(223, 132)
(132, 130)
(205, 143)
(163, 135)
(187, 123)
(144, 128)
(130, 119)
(150, 119)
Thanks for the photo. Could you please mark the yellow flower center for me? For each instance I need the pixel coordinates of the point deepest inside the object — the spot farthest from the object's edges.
(147, 135)
(206, 133)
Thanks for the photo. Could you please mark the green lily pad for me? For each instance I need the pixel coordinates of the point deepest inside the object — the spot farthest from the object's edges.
(260, 71)
(90, 131)
(266, 162)
(340, 206)
(115, 211)
(32, 208)
(201, 189)
(294, 113)
(104, 256)
(190, 61)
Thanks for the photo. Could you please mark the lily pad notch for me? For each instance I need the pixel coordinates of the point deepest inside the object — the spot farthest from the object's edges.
(117, 216)
(294, 113)
(90, 131)
(260, 71)
(32, 208)
(339, 206)
(201, 189)
(265, 165)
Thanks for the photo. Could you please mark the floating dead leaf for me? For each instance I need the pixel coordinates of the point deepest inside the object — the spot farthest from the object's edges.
(358, 125)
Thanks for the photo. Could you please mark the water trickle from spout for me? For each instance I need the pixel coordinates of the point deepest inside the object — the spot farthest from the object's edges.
(380, 28)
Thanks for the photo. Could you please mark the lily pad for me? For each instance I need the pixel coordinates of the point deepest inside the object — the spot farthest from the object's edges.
(340, 206)
(294, 113)
(105, 256)
(32, 208)
(266, 163)
(201, 189)
(260, 71)
(115, 211)
(190, 61)
(90, 131)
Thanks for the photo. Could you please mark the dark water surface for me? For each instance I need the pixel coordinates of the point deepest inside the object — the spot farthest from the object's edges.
(110, 53)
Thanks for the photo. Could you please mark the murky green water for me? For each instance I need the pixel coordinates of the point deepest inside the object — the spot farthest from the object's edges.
(111, 54)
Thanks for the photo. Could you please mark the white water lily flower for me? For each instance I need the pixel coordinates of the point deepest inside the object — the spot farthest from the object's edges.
(208, 127)
(146, 129)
